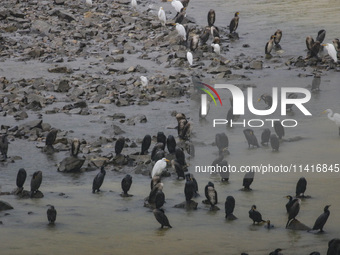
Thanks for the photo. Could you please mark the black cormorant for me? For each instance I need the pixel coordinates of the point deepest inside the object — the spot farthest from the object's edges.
(301, 187)
(158, 147)
(294, 210)
(322, 219)
(161, 218)
(291, 96)
(154, 181)
(171, 144)
(126, 184)
(75, 147)
(269, 45)
(229, 206)
(265, 136)
(278, 36)
(119, 145)
(274, 142)
(267, 99)
(334, 247)
(234, 23)
(321, 36)
(279, 130)
(98, 180)
(214, 32)
(153, 192)
(251, 138)
(289, 203)
(4, 145)
(178, 168)
(255, 215)
(145, 144)
(183, 127)
(194, 42)
(36, 182)
(211, 17)
(51, 214)
(189, 188)
(51, 136)
(211, 194)
(159, 198)
(180, 16)
(314, 51)
(222, 142)
(205, 35)
(248, 180)
(276, 252)
(191, 177)
(21, 177)
(309, 42)
(161, 138)
(180, 156)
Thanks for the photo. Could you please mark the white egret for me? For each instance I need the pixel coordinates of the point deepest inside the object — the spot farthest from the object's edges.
(333, 117)
(159, 167)
(162, 16)
(217, 48)
(181, 31)
(190, 57)
(144, 81)
(331, 51)
(177, 5)
(89, 3)
(134, 4)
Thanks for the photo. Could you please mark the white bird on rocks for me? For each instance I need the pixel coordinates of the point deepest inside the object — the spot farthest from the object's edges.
(134, 4)
(217, 48)
(162, 16)
(159, 167)
(181, 31)
(331, 51)
(144, 81)
(177, 5)
(190, 57)
(89, 3)
(333, 117)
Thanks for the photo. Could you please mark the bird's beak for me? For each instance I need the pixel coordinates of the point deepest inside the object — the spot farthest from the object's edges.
(323, 44)
(167, 160)
(324, 112)
(169, 0)
(174, 24)
(258, 100)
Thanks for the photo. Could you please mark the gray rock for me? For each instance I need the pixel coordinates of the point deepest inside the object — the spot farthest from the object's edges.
(71, 164)
(256, 65)
(63, 86)
(5, 206)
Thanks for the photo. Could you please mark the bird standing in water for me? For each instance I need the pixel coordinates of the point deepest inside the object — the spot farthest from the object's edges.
(98, 180)
(322, 219)
(51, 214)
(234, 23)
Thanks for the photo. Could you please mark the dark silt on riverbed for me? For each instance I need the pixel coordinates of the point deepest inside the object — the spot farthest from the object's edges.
(87, 223)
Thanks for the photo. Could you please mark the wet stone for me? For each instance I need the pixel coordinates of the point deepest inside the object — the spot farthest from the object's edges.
(5, 206)
(71, 164)
(256, 65)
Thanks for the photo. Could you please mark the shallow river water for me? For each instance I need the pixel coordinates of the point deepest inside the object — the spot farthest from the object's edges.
(106, 223)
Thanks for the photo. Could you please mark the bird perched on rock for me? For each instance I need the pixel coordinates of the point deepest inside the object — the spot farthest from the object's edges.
(293, 210)
(36, 182)
(211, 17)
(75, 147)
(269, 45)
(21, 177)
(119, 145)
(211, 195)
(51, 137)
(51, 214)
(159, 167)
(162, 16)
(301, 187)
(145, 144)
(234, 23)
(98, 180)
(322, 219)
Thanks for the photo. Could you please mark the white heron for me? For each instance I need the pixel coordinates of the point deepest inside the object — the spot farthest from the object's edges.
(134, 4)
(159, 167)
(162, 16)
(331, 51)
(181, 30)
(217, 48)
(333, 117)
(144, 81)
(190, 57)
(89, 3)
(177, 5)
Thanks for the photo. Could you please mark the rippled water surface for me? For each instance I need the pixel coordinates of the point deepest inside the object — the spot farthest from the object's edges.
(105, 223)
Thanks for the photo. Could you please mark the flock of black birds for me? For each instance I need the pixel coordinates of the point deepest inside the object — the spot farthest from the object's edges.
(156, 198)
